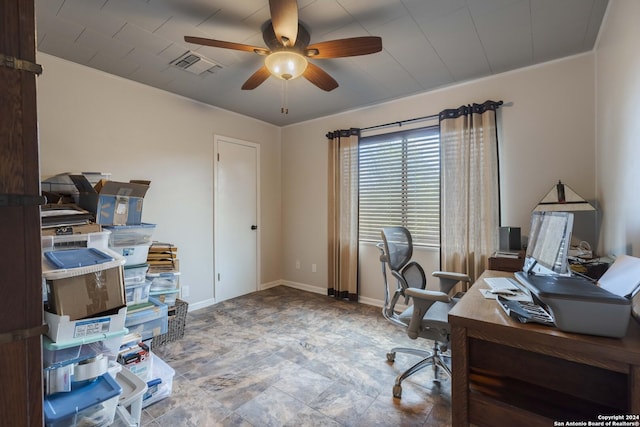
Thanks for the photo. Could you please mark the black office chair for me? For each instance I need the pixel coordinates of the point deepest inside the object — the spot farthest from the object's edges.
(427, 316)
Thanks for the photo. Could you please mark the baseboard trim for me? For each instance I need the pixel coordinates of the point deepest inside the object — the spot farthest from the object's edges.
(201, 304)
(371, 301)
(322, 291)
(269, 285)
(304, 287)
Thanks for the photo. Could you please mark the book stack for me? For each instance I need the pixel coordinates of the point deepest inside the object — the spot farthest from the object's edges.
(163, 257)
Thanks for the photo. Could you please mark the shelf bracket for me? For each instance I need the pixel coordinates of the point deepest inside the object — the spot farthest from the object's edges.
(23, 334)
(20, 64)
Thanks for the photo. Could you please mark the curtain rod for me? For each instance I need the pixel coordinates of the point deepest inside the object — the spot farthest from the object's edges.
(417, 119)
(401, 122)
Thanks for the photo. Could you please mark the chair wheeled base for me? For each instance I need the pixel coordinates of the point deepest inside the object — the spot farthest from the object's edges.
(433, 358)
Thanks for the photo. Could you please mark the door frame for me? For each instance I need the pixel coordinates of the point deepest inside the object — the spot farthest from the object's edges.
(216, 224)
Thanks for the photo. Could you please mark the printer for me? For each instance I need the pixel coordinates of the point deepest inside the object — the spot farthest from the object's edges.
(579, 305)
(576, 303)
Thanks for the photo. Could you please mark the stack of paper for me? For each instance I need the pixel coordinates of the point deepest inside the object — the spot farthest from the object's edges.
(162, 257)
(623, 277)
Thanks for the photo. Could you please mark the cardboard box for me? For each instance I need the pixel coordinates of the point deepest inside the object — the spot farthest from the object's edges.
(88, 294)
(112, 202)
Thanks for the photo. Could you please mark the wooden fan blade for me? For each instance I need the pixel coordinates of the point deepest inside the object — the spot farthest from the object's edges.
(226, 45)
(354, 46)
(284, 17)
(256, 79)
(319, 77)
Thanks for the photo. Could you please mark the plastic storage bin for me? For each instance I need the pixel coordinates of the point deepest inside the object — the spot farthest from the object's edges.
(133, 254)
(135, 274)
(65, 364)
(114, 369)
(60, 244)
(130, 401)
(98, 240)
(130, 235)
(149, 322)
(91, 405)
(160, 386)
(60, 354)
(164, 282)
(63, 330)
(136, 284)
(75, 258)
(61, 283)
(137, 294)
(135, 356)
(131, 241)
(168, 297)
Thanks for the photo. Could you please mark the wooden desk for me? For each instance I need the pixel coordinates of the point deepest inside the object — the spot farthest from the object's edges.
(508, 373)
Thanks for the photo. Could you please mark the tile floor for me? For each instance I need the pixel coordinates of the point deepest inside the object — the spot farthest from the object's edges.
(285, 357)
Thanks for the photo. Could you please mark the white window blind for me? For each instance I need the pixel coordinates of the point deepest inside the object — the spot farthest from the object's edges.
(399, 184)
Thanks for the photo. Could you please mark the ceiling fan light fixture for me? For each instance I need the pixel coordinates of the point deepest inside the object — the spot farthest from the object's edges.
(286, 65)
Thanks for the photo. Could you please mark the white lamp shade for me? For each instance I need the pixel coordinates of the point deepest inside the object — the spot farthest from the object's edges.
(286, 65)
(564, 199)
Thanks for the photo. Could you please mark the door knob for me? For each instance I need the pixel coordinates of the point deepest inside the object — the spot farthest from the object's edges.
(254, 227)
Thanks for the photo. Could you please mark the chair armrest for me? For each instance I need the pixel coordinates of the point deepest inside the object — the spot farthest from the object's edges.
(458, 277)
(449, 279)
(422, 300)
(424, 294)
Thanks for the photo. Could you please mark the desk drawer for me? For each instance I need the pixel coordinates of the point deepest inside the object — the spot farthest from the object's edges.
(506, 264)
(544, 385)
(489, 412)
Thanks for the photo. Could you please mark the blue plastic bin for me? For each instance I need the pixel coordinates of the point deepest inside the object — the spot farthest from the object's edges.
(92, 404)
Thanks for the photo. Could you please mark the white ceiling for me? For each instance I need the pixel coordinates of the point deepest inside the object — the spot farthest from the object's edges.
(427, 44)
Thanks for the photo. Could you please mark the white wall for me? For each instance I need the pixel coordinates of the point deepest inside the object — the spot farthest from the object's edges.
(92, 121)
(618, 128)
(546, 134)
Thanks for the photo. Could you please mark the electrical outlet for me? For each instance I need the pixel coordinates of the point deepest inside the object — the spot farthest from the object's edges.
(185, 291)
(297, 264)
(313, 268)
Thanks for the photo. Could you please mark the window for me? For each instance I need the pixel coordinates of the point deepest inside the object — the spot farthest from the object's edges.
(399, 184)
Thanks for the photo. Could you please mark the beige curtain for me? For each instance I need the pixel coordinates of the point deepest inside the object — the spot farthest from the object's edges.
(469, 210)
(343, 214)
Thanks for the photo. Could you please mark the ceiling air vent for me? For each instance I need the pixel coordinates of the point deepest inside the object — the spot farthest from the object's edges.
(196, 64)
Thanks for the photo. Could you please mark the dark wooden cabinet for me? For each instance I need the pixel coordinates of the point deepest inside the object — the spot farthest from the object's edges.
(21, 316)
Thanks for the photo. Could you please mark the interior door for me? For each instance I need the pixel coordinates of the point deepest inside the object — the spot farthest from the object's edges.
(236, 217)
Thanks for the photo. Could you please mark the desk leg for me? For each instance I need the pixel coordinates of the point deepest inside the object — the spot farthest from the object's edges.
(634, 390)
(460, 377)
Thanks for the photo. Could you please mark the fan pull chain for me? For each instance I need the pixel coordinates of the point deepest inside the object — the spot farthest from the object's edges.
(284, 109)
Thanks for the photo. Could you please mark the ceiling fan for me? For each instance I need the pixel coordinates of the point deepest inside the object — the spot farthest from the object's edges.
(288, 49)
